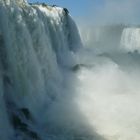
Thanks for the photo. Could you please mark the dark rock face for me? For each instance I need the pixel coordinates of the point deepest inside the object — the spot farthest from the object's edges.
(17, 122)
(66, 11)
(79, 66)
(44, 4)
(22, 126)
(26, 113)
(54, 5)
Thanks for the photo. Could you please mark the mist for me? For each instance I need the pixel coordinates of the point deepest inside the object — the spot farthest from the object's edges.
(108, 95)
(59, 85)
(101, 95)
(101, 98)
(112, 11)
(107, 80)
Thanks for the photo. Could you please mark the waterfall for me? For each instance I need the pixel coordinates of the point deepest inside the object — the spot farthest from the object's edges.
(53, 88)
(130, 40)
(36, 41)
(103, 38)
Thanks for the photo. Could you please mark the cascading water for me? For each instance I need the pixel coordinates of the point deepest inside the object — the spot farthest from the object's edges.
(105, 38)
(130, 40)
(36, 41)
(51, 88)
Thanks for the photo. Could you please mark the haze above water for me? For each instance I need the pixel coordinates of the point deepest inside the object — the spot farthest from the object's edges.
(72, 90)
(108, 94)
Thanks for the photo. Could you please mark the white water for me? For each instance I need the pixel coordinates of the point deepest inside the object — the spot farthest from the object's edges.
(71, 92)
(37, 42)
(108, 96)
(130, 40)
(108, 93)
(103, 38)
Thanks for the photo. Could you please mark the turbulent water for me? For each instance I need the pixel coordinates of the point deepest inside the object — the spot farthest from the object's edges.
(54, 88)
(109, 89)
(37, 42)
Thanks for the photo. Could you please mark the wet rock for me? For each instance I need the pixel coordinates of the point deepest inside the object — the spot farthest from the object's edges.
(66, 11)
(26, 113)
(17, 123)
(54, 5)
(22, 127)
(44, 4)
(79, 66)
